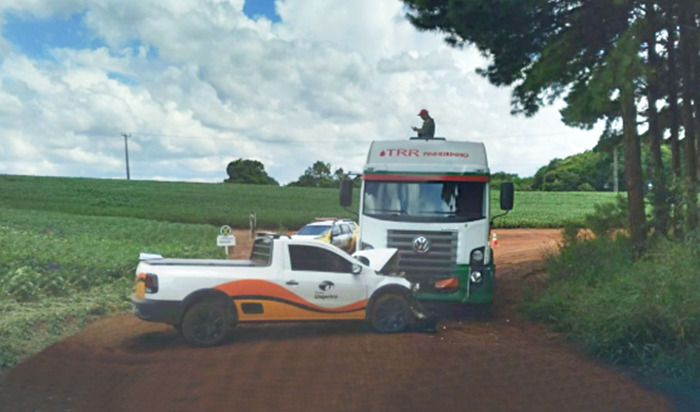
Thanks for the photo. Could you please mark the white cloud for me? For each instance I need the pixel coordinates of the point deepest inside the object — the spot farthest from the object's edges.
(198, 84)
(10, 105)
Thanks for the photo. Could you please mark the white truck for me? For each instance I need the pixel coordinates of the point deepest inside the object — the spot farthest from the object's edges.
(284, 280)
(430, 198)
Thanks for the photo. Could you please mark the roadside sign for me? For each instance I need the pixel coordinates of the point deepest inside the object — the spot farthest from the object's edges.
(226, 238)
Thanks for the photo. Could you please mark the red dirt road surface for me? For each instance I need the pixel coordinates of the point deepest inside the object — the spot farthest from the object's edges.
(498, 363)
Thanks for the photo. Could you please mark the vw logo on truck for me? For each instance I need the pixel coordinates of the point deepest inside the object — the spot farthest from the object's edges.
(421, 244)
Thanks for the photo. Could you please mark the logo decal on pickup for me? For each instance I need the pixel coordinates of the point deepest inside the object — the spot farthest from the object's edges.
(323, 296)
(326, 285)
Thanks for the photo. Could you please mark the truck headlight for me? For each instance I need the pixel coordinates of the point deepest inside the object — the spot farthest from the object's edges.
(477, 257)
(415, 288)
(476, 277)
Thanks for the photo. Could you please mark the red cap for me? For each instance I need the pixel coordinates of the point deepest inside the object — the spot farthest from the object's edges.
(422, 112)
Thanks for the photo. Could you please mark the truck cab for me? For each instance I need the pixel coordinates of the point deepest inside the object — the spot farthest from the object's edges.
(430, 199)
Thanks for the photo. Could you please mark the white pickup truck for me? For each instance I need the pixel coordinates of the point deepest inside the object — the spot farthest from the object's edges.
(284, 280)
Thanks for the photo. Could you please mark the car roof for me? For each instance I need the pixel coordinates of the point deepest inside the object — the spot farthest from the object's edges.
(329, 222)
(320, 223)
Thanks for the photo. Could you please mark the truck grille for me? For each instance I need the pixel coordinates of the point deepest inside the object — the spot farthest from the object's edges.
(437, 263)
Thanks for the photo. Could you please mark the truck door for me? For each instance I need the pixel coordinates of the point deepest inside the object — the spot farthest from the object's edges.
(324, 280)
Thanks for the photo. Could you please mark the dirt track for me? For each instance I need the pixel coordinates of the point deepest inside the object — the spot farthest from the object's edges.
(494, 364)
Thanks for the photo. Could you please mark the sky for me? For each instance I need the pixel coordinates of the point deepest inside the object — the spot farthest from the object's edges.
(196, 84)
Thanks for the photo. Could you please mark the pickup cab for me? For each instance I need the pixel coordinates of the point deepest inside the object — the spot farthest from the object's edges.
(283, 280)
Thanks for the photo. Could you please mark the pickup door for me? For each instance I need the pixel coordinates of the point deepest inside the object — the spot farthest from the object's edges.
(325, 282)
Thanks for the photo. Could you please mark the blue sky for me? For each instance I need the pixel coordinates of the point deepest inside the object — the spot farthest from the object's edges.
(265, 8)
(36, 37)
(200, 83)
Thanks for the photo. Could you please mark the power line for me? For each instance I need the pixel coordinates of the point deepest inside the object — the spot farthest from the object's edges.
(314, 140)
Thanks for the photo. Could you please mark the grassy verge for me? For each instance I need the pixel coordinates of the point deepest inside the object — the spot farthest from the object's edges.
(641, 313)
(29, 326)
(60, 271)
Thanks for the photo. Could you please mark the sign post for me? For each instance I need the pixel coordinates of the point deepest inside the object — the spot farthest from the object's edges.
(226, 238)
(253, 223)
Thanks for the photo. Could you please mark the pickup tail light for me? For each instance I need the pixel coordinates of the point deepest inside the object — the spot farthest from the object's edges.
(151, 283)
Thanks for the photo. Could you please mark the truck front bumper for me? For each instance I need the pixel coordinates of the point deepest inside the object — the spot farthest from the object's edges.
(163, 311)
(467, 292)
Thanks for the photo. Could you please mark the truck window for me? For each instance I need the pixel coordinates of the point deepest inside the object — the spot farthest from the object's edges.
(261, 254)
(425, 201)
(317, 259)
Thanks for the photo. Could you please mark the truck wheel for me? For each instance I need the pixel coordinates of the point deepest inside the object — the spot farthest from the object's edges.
(206, 323)
(390, 314)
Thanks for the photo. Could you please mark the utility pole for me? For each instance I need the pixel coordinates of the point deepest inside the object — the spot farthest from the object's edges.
(126, 153)
(616, 180)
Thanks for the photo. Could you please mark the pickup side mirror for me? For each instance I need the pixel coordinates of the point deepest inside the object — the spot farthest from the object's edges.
(507, 195)
(346, 187)
(356, 269)
(364, 260)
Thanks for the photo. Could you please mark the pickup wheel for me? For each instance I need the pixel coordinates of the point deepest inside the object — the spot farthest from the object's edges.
(390, 314)
(206, 323)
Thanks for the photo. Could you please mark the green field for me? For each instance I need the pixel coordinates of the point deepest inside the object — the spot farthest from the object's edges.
(60, 271)
(69, 247)
(222, 203)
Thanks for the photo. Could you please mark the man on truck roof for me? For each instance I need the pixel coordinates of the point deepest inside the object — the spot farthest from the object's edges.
(427, 130)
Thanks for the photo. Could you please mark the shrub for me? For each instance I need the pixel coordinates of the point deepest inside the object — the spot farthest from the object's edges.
(642, 312)
(608, 218)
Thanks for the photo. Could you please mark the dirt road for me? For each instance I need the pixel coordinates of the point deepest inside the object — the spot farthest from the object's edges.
(500, 363)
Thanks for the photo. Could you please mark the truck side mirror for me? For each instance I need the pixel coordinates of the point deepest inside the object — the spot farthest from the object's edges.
(346, 187)
(507, 195)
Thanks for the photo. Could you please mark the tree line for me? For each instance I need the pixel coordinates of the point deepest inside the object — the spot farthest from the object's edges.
(633, 64)
(253, 172)
(592, 170)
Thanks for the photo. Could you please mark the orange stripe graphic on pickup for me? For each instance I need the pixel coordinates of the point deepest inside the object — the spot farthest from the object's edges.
(280, 311)
(261, 289)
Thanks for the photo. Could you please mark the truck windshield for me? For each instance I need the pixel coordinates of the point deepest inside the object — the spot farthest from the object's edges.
(424, 201)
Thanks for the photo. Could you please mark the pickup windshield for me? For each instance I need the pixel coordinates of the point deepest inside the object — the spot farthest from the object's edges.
(424, 201)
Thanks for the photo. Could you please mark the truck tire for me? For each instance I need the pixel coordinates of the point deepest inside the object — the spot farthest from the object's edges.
(390, 314)
(206, 323)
